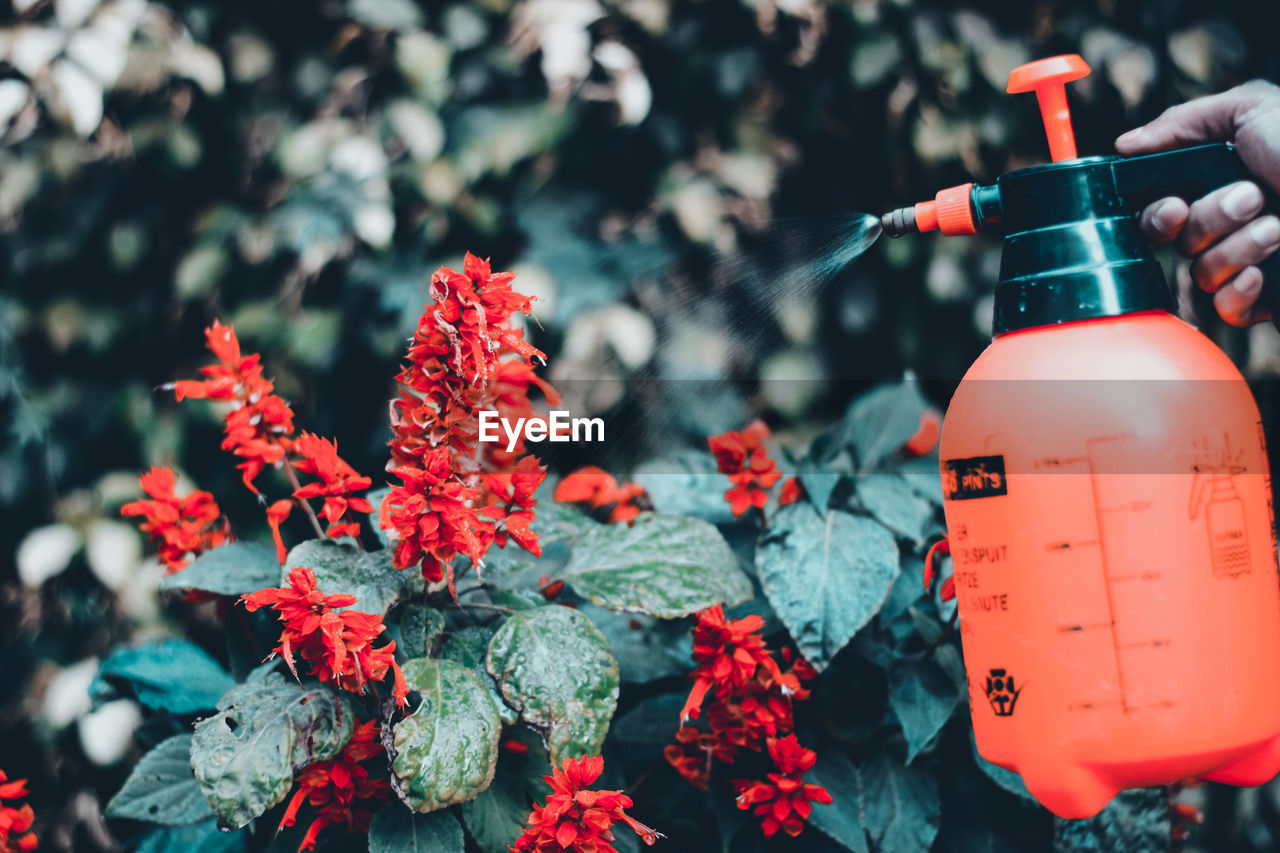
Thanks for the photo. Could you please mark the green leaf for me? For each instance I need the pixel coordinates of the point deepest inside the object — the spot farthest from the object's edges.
(895, 504)
(560, 522)
(898, 805)
(879, 422)
(653, 720)
(204, 837)
(923, 697)
(496, 818)
(555, 666)
(168, 675)
(445, 752)
(266, 730)
(162, 788)
(236, 568)
(825, 577)
(470, 647)
(1136, 821)
(420, 630)
(664, 565)
(1006, 779)
(395, 829)
(646, 648)
(341, 567)
(839, 819)
(819, 483)
(687, 483)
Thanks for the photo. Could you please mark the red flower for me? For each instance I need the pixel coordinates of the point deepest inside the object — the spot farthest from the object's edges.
(338, 482)
(456, 495)
(751, 696)
(276, 514)
(926, 437)
(792, 491)
(15, 821)
(576, 819)
(339, 644)
(260, 424)
(743, 457)
(185, 527)
(786, 800)
(340, 789)
(595, 489)
(692, 753)
(948, 590)
(727, 654)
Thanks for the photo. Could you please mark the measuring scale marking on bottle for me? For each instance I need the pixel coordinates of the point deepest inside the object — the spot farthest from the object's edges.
(1106, 488)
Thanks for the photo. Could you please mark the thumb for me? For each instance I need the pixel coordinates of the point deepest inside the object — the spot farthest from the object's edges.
(1210, 119)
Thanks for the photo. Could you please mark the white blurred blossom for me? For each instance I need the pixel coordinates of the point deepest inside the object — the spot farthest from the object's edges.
(46, 552)
(76, 56)
(66, 699)
(105, 734)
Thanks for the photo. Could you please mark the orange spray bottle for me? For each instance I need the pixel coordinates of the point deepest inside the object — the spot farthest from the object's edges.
(1107, 492)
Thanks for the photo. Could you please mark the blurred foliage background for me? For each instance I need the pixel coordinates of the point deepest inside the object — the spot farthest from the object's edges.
(669, 177)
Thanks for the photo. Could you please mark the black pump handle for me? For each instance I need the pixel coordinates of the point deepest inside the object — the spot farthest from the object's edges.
(1191, 173)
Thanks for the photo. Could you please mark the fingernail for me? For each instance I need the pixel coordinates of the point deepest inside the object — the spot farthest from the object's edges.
(1133, 136)
(1244, 200)
(1248, 285)
(1165, 218)
(1265, 232)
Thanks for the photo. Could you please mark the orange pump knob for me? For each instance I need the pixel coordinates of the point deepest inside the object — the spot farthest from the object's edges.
(1048, 79)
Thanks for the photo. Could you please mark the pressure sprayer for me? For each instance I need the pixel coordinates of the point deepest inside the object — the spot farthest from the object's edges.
(1107, 493)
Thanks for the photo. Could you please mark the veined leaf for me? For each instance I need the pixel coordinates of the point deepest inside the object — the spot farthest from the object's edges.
(171, 675)
(266, 730)
(664, 565)
(445, 752)
(825, 576)
(162, 788)
(555, 666)
(232, 569)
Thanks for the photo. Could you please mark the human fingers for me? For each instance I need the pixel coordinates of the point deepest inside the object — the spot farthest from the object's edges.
(1213, 118)
(1218, 214)
(1163, 220)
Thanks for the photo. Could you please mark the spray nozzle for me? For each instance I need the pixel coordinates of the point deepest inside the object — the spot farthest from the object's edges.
(955, 211)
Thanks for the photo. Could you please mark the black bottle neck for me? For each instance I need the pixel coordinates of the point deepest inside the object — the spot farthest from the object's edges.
(1072, 250)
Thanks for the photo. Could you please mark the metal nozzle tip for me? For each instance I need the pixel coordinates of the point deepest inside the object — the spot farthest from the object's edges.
(898, 222)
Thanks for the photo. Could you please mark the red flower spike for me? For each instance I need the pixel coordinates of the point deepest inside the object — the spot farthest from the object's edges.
(338, 644)
(341, 790)
(785, 801)
(15, 820)
(727, 654)
(259, 425)
(593, 488)
(743, 458)
(457, 495)
(740, 693)
(184, 527)
(338, 483)
(576, 819)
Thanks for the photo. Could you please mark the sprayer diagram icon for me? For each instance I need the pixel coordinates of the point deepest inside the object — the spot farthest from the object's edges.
(1214, 494)
(1001, 692)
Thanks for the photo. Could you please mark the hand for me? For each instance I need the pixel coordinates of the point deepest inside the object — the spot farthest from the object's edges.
(1223, 232)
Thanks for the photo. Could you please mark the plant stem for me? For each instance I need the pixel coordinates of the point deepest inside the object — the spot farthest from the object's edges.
(306, 505)
(495, 607)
